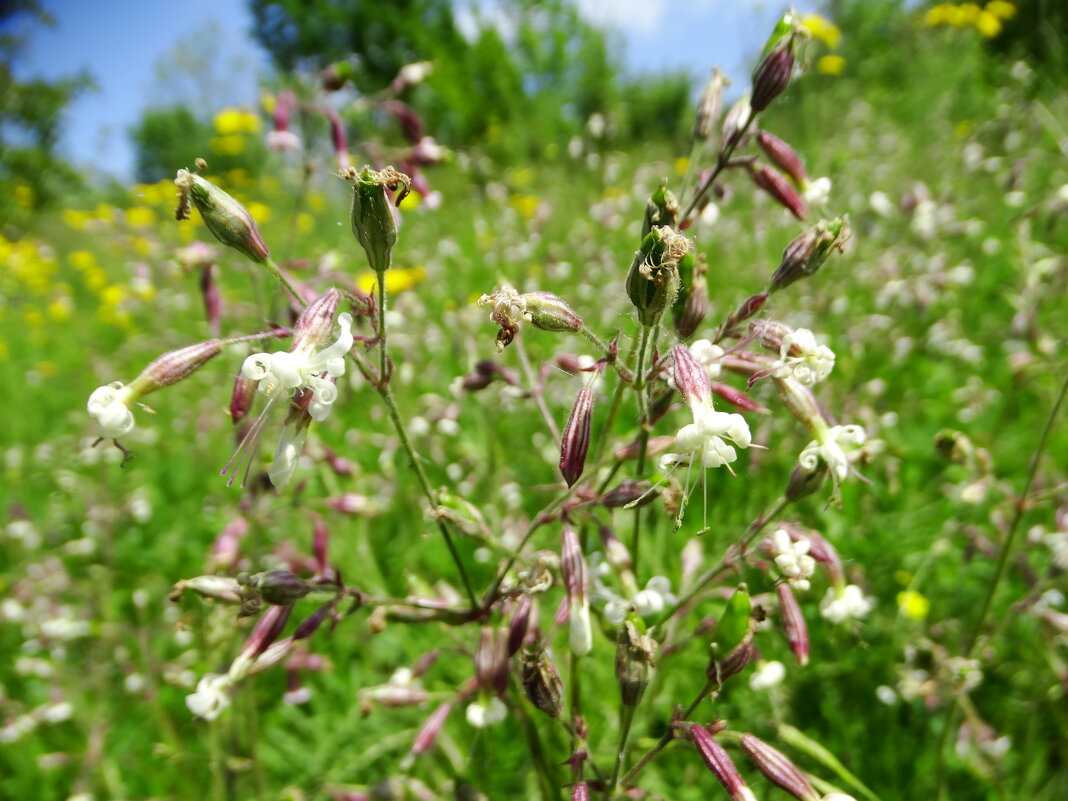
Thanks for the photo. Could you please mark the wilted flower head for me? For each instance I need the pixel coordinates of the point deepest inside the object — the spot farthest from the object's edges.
(829, 448)
(845, 603)
(229, 221)
(212, 696)
(803, 359)
(543, 310)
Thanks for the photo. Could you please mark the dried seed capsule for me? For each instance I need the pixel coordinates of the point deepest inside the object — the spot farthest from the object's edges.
(229, 221)
(541, 682)
(653, 280)
(635, 658)
(278, 586)
(662, 208)
(373, 222)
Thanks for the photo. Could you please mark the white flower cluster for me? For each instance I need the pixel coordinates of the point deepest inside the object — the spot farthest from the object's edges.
(830, 449)
(818, 192)
(654, 599)
(813, 362)
(706, 439)
(845, 603)
(212, 696)
(486, 711)
(767, 675)
(708, 356)
(792, 558)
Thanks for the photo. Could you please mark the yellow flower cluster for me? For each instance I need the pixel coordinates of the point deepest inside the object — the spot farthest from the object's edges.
(988, 20)
(830, 34)
(397, 279)
(232, 125)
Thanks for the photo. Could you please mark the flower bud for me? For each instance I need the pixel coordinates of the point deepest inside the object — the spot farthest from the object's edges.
(214, 588)
(573, 567)
(737, 397)
(806, 254)
(800, 402)
(409, 121)
(209, 292)
(267, 629)
(803, 482)
(716, 758)
(575, 443)
(653, 280)
(629, 491)
(736, 119)
(793, 623)
(373, 222)
(778, 769)
(773, 182)
(172, 367)
(424, 740)
(337, 137)
(691, 379)
(541, 682)
(517, 628)
(691, 313)
(491, 660)
(635, 658)
(278, 586)
(709, 106)
(335, 76)
(550, 312)
(228, 220)
(748, 308)
(772, 75)
(580, 792)
(783, 156)
(316, 322)
(242, 397)
(662, 208)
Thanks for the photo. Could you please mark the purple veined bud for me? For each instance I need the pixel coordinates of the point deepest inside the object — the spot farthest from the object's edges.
(691, 379)
(424, 740)
(737, 398)
(575, 443)
(580, 792)
(772, 75)
(229, 221)
(425, 662)
(337, 137)
(635, 659)
(242, 397)
(793, 623)
(209, 291)
(733, 664)
(655, 447)
(770, 334)
(316, 322)
(173, 366)
(778, 769)
(689, 317)
(267, 629)
(312, 622)
(775, 184)
(747, 309)
(573, 567)
(710, 106)
(517, 628)
(541, 682)
(550, 312)
(800, 402)
(491, 660)
(351, 503)
(278, 587)
(783, 156)
(629, 491)
(717, 760)
(806, 254)
(736, 120)
(411, 124)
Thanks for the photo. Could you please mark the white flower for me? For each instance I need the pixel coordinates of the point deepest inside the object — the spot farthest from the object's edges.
(617, 609)
(845, 603)
(881, 204)
(708, 356)
(110, 407)
(803, 359)
(656, 597)
(416, 72)
(818, 192)
(792, 558)
(283, 141)
(767, 675)
(580, 634)
(829, 448)
(709, 216)
(482, 713)
(287, 455)
(706, 439)
(211, 697)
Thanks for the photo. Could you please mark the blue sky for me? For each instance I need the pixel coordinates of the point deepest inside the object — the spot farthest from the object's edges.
(119, 42)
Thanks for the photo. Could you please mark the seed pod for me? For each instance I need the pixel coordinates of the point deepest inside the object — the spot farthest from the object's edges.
(772, 75)
(804, 256)
(550, 312)
(541, 682)
(717, 761)
(653, 280)
(228, 220)
(793, 623)
(575, 443)
(279, 586)
(662, 208)
(778, 768)
(635, 658)
(773, 182)
(783, 156)
(372, 217)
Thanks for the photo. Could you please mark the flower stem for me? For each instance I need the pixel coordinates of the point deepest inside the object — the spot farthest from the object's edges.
(721, 163)
(626, 718)
(643, 437)
(284, 281)
(617, 399)
(666, 738)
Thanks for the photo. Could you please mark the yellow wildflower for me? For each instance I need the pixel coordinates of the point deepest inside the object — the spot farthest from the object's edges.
(988, 24)
(681, 165)
(913, 605)
(831, 65)
(523, 177)
(305, 223)
(526, 205)
(823, 29)
(397, 280)
(141, 217)
(24, 195)
(1001, 9)
(236, 121)
(75, 219)
(82, 260)
(61, 309)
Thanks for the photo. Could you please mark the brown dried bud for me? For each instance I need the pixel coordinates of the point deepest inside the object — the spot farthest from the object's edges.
(541, 682)
(662, 208)
(717, 760)
(635, 659)
(575, 443)
(772, 75)
(783, 156)
(778, 768)
(228, 220)
(775, 184)
(793, 623)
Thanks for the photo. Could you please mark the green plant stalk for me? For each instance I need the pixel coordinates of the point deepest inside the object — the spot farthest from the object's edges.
(548, 781)
(284, 281)
(721, 163)
(617, 399)
(666, 738)
(626, 719)
(999, 573)
(643, 439)
(802, 742)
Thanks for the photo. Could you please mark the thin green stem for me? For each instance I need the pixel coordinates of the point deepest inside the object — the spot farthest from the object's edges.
(284, 281)
(999, 573)
(617, 400)
(626, 719)
(721, 163)
(643, 438)
(382, 326)
(666, 738)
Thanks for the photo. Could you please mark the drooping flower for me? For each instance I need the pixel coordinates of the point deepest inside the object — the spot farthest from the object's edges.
(829, 448)
(212, 696)
(110, 407)
(486, 711)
